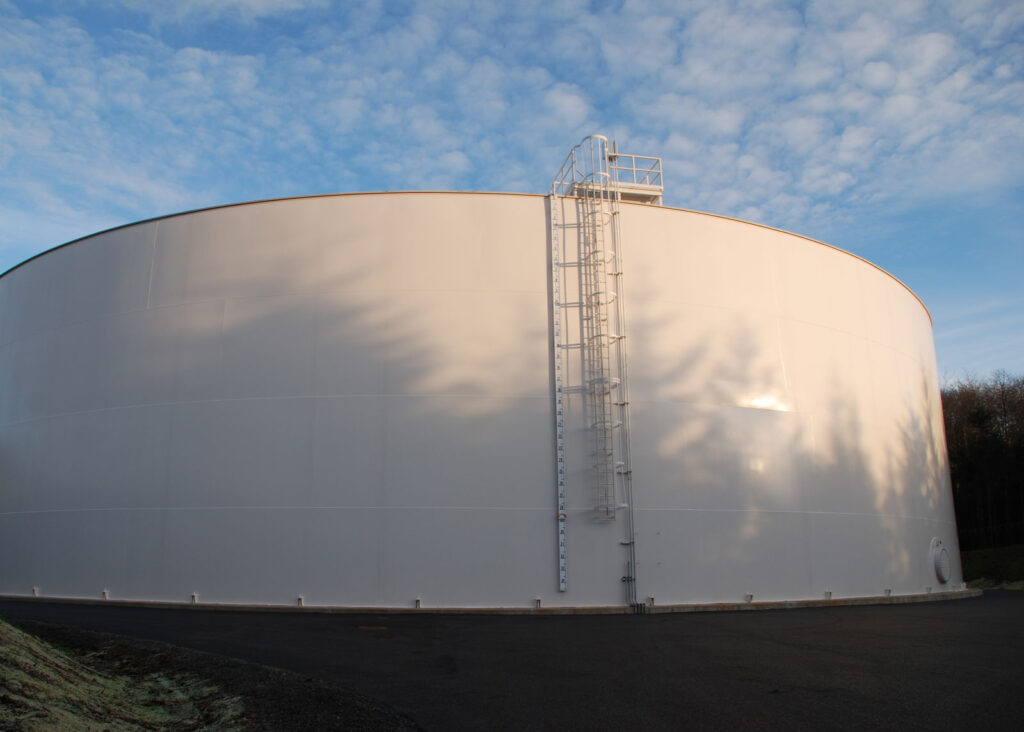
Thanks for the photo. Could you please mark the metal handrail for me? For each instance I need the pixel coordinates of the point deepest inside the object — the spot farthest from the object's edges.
(595, 162)
(638, 170)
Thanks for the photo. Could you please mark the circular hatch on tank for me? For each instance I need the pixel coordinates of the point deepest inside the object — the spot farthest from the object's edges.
(941, 562)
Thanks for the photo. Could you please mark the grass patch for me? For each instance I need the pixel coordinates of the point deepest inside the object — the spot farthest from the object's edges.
(55, 677)
(43, 687)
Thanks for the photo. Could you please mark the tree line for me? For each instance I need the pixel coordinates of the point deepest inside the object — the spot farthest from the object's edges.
(985, 439)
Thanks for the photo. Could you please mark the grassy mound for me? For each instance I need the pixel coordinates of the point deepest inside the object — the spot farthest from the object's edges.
(57, 677)
(43, 687)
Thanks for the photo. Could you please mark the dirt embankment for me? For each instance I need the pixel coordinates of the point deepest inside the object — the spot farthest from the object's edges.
(46, 688)
(62, 678)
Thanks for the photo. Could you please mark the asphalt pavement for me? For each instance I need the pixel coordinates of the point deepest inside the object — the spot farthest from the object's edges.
(933, 666)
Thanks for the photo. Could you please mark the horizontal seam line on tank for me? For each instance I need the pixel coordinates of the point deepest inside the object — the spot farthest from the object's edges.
(274, 398)
(798, 513)
(127, 509)
(115, 509)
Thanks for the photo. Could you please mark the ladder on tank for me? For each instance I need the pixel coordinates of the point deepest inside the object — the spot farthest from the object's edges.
(591, 183)
(593, 212)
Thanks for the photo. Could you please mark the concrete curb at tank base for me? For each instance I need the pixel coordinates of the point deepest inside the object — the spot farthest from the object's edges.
(963, 594)
(834, 602)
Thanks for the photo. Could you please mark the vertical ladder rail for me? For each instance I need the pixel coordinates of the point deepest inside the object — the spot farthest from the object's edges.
(557, 300)
(623, 463)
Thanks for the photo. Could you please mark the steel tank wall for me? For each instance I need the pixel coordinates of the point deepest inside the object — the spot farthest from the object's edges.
(343, 398)
(349, 399)
(787, 430)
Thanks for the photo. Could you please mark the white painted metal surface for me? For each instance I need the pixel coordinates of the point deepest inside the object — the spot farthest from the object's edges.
(350, 399)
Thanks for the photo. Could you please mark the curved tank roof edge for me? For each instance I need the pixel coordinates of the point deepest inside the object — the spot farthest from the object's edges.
(484, 193)
(245, 203)
(884, 271)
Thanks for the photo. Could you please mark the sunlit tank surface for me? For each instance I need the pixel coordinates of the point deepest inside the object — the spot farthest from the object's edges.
(347, 401)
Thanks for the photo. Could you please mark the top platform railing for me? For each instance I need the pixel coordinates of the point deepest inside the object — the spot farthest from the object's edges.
(595, 164)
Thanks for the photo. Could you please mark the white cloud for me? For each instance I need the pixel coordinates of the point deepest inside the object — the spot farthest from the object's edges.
(878, 76)
(566, 105)
(855, 145)
(246, 11)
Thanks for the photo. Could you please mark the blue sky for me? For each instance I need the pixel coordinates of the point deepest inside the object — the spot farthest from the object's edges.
(894, 130)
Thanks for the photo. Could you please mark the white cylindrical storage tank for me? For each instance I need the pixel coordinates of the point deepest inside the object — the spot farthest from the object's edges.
(351, 399)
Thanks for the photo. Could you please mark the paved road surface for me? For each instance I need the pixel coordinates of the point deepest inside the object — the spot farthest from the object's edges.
(944, 665)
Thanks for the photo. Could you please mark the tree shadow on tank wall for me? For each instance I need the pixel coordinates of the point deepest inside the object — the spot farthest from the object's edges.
(291, 421)
(784, 501)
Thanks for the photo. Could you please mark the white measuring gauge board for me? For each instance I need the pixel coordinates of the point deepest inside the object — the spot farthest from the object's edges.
(556, 335)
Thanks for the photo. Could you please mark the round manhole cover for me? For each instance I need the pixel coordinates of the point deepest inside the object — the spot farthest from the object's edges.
(940, 561)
